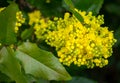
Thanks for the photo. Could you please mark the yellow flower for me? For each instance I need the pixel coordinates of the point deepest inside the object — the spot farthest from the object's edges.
(81, 43)
(34, 17)
(40, 24)
(20, 21)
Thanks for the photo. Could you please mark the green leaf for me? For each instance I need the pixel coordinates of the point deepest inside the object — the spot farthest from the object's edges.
(77, 15)
(10, 66)
(81, 80)
(7, 24)
(88, 5)
(69, 3)
(40, 63)
(27, 33)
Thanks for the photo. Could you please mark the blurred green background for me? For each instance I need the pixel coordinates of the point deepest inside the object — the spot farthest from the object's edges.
(111, 11)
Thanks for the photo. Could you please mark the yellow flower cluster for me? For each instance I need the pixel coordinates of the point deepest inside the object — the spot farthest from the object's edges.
(34, 17)
(80, 43)
(20, 20)
(39, 24)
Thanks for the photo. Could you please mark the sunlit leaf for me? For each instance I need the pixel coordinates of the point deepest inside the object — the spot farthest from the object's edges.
(10, 66)
(40, 63)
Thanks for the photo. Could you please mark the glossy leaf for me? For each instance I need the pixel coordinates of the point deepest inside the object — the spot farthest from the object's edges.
(7, 24)
(77, 15)
(88, 5)
(10, 66)
(27, 33)
(40, 63)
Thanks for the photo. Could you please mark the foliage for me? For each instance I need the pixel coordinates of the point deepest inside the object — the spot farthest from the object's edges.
(8, 20)
(38, 39)
(43, 63)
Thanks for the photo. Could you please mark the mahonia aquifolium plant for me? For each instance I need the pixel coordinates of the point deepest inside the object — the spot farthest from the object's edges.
(80, 43)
